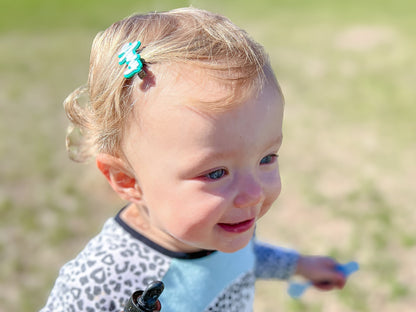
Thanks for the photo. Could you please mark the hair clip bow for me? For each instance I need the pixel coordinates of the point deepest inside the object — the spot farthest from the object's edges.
(128, 55)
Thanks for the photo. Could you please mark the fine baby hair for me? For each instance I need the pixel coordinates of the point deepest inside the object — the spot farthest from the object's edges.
(182, 36)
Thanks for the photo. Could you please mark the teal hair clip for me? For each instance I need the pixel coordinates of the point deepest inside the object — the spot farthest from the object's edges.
(128, 55)
(296, 289)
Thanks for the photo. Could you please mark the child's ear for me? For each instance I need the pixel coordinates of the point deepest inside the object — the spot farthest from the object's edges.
(119, 176)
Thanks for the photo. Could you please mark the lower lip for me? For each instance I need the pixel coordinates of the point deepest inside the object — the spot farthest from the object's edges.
(237, 227)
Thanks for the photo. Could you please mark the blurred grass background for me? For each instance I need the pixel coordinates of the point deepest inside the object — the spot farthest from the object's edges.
(348, 161)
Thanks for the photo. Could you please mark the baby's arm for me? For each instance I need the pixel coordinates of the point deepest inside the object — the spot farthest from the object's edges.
(274, 262)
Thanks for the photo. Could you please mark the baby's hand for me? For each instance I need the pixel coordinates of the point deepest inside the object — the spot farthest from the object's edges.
(321, 271)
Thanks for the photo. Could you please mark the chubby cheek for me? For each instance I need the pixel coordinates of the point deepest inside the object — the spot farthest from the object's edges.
(193, 219)
(272, 192)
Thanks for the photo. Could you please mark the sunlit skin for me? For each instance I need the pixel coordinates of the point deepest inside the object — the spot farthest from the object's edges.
(206, 178)
(200, 180)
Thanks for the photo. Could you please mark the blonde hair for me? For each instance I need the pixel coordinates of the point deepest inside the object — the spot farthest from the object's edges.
(186, 35)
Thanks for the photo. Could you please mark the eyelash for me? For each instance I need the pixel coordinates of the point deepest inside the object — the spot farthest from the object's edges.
(213, 174)
(272, 158)
(220, 173)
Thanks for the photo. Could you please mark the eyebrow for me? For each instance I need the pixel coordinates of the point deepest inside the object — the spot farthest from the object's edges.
(277, 141)
(213, 156)
(224, 154)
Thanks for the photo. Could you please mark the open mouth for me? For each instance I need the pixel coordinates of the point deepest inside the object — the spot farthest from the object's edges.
(239, 227)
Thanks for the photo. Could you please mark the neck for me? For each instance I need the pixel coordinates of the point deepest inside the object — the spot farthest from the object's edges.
(137, 217)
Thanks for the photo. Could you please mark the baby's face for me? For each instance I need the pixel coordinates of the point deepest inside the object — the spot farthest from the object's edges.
(206, 178)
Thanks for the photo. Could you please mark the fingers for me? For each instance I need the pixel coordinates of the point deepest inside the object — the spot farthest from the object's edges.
(337, 282)
(326, 276)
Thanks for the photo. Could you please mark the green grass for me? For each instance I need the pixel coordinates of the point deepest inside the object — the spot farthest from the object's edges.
(348, 160)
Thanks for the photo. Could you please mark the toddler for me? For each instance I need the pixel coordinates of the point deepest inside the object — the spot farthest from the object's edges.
(184, 119)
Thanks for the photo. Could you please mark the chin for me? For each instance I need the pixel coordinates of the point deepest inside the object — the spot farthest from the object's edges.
(234, 246)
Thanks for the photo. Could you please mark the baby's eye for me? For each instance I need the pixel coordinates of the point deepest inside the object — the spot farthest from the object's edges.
(268, 159)
(216, 174)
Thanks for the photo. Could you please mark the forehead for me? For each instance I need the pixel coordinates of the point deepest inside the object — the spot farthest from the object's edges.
(170, 119)
(203, 89)
(185, 87)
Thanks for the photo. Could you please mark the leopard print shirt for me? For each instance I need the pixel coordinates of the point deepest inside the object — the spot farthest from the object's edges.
(119, 261)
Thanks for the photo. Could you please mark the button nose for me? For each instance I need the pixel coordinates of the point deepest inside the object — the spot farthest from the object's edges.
(250, 193)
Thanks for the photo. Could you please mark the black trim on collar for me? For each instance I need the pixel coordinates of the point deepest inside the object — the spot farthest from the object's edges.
(153, 245)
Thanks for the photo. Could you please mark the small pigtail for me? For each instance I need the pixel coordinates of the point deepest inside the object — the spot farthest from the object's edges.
(78, 137)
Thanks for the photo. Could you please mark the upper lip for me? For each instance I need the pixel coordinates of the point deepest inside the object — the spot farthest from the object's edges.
(241, 215)
(238, 222)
